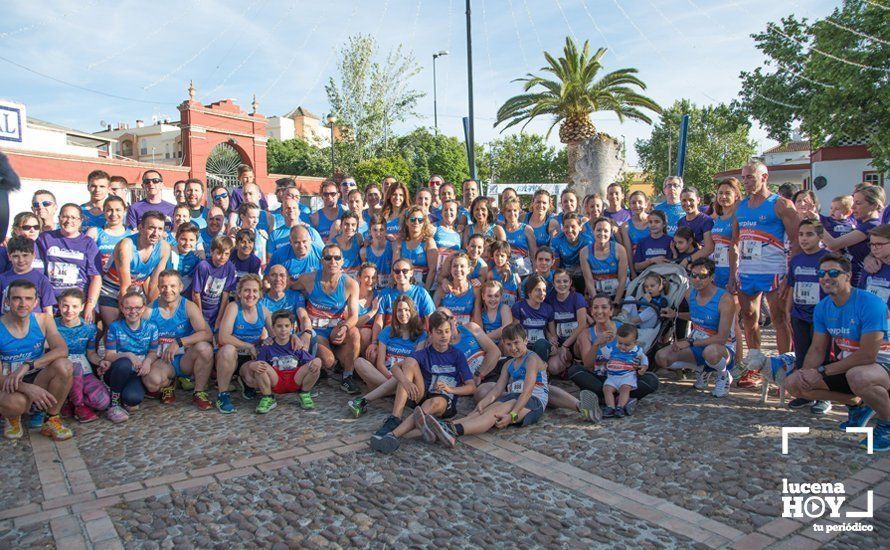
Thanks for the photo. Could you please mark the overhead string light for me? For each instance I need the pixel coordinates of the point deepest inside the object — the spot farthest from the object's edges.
(518, 35)
(875, 4)
(566, 19)
(802, 77)
(640, 31)
(598, 29)
(844, 60)
(857, 33)
(297, 51)
(776, 101)
(54, 16)
(204, 48)
(531, 20)
(143, 39)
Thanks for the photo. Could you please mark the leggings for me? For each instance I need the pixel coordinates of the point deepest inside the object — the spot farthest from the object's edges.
(88, 390)
(123, 381)
(802, 336)
(646, 383)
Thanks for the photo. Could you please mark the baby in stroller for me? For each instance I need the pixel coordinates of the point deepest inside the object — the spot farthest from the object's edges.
(659, 286)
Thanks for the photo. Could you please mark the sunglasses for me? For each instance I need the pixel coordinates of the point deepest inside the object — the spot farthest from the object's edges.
(401, 271)
(152, 180)
(221, 196)
(833, 273)
(330, 194)
(332, 258)
(348, 184)
(701, 276)
(29, 227)
(45, 204)
(415, 220)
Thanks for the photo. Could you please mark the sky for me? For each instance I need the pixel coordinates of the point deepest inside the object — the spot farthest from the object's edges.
(130, 59)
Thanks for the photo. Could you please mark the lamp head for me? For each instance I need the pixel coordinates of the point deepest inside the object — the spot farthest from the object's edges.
(331, 118)
(440, 53)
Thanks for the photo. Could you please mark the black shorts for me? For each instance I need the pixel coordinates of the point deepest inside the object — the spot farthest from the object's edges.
(31, 376)
(242, 360)
(496, 371)
(450, 407)
(838, 382)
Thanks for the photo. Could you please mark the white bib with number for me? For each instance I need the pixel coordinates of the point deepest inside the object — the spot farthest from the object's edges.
(607, 286)
(807, 294)
(517, 386)
(62, 274)
(721, 255)
(564, 330)
(521, 264)
(752, 250)
(882, 291)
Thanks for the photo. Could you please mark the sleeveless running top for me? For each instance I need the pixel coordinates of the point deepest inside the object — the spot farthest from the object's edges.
(722, 235)
(469, 346)
(352, 260)
(15, 351)
(325, 223)
(447, 240)
(488, 324)
(480, 263)
(247, 331)
(542, 236)
(519, 250)
(605, 271)
(139, 270)
(417, 256)
(383, 261)
(394, 225)
(461, 304)
(177, 326)
(761, 239)
(106, 242)
(511, 285)
(326, 310)
(516, 382)
(636, 235)
(706, 318)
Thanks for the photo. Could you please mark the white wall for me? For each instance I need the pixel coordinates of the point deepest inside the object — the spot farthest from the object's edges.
(280, 128)
(51, 141)
(842, 176)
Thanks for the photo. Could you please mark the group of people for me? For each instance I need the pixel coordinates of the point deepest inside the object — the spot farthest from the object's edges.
(436, 298)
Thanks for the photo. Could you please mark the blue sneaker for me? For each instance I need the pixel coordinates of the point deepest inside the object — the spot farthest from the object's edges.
(35, 421)
(858, 416)
(224, 403)
(880, 438)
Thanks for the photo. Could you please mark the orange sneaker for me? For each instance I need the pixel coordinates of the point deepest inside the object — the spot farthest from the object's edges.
(54, 428)
(200, 400)
(751, 379)
(167, 395)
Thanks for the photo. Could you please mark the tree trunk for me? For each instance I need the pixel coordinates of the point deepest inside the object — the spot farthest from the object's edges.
(594, 164)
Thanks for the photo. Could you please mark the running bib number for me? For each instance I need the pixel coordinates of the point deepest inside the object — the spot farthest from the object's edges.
(62, 274)
(418, 277)
(516, 387)
(751, 250)
(475, 362)
(321, 322)
(807, 294)
(521, 264)
(607, 286)
(535, 334)
(882, 291)
(509, 298)
(721, 255)
(564, 330)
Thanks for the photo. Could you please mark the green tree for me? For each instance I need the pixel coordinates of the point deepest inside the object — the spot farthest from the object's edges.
(522, 158)
(428, 153)
(369, 96)
(830, 75)
(296, 157)
(576, 91)
(717, 140)
(375, 169)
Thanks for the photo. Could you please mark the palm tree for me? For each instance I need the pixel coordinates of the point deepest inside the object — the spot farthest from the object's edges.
(573, 95)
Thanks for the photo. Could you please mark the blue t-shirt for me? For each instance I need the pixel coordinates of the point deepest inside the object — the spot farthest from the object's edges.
(650, 248)
(79, 338)
(121, 338)
(861, 313)
(804, 284)
(422, 300)
(449, 366)
(291, 300)
(533, 320)
(568, 253)
(296, 266)
(673, 213)
(397, 348)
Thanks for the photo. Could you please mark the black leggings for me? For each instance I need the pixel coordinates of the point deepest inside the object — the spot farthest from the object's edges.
(802, 337)
(123, 380)
(646, 383)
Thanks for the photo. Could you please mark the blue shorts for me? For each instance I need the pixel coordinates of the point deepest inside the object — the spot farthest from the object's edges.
(177, 368)
(699, 353)
(534, 406)
(721, 277)
(324, 333)
(751, 284)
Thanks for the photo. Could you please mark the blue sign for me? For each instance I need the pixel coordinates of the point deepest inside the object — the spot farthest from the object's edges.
(10, 123)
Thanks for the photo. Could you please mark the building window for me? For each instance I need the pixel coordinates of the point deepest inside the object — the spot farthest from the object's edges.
(873, 178)
(143, 149)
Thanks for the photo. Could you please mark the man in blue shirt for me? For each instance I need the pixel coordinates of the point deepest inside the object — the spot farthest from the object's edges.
(856, 321)
(671, 206)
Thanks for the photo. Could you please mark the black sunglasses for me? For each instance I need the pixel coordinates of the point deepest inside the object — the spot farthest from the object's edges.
(152, 180)
(330, 258)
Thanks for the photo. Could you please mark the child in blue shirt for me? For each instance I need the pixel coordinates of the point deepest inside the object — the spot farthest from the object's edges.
(625, 359)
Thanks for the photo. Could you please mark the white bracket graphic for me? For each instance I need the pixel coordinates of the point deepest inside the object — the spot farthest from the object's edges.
(791, 430)
(869, 437)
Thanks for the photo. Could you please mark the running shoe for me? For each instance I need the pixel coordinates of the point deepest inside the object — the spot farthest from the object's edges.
(857, 417)
(200, 400)
(167, 395)
(721, 387)
(444, 431)
(117, 414)
(84, 414)
(631, 406)
(350, 386)
(821, 407)
(54, 429)
(36, 419)
(389, 425)
(358, 406)
(12, 428)
(153, 395)
(422, 422)
(589, 406)
(387, 443)
(186, 383)
(750, 379)
(266, 404)
(880, 438)
(702, 379)
(800, 403)
(619, 412)
(306, 402)
(224, 403)
(131, 408)
(247, 393)
(609, 412)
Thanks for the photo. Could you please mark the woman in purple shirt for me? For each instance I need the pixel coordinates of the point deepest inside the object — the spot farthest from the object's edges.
(570, 319)
(868, 202)
(656, 248)
(700, 224)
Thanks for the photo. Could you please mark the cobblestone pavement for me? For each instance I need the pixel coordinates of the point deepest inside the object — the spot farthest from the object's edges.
(687, 470)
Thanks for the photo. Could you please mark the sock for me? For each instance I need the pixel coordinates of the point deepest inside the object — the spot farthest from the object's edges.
(458, 429)
(720, 366)
(362, 401)
(115, 399)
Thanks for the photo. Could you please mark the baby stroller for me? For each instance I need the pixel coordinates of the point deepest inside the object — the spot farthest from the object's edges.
(677, 283)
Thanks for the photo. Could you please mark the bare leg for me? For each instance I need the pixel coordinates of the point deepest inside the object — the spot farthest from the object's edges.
(750, 307)
(307, 376)
(609, 396)
(872, 383)
(387, 388)
(347, 352)
(56, 378)
(482, 390)
(226, 363)
(159, 376)
(198, 362)
(561, 399)
(13, 405)
(485, 421)
(434, 407)
(623, 395)
(781, 320)
(367, 372)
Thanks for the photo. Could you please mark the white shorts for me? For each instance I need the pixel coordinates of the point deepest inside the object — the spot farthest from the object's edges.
(617, 380)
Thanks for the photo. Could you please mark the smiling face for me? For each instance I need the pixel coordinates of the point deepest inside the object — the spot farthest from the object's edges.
(169, 288)
(368, 278)
(401, 275)
(277, 278)
(332, 260)
(215, 221)
(638, 203)
(541, 204)
(132, 307)
(300, 241)
(601, 309)
(70, 308)
(245, 246)
(349, 227)
(862, 209)
(249, 294)
(449, 214)
(460, 268)
(373, 197)
(475, 246)
(21, 301)
(70, 220)
(29, 226)
(543, 262)
(151, 230)
(471, 191)
(44, 206)
(397, 199)
(593, 208)
(403, 313)
(492, 297)
(571, 228)
(424, 199)
(602, 232)
(568, 202)
(727, 196)
(562, 282)
(615, 195)
(656, 226)
(834, 285)
(186, 242)
(537, 293)
(700, 278)
(194, 194)
(114, 213)
(515, 348)
(689, 202)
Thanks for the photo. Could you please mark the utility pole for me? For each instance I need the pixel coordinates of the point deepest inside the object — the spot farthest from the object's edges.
(471, 150)
(435, 99)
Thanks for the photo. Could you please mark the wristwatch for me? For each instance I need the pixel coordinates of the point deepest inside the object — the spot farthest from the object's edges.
(179, 342)
(514, 416)
(821, 369)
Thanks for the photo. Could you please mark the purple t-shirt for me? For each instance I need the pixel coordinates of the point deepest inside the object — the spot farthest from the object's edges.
(836, 228)
(449, 366)
(699, 225)
(137, 209)
(533, 320)
(284, 357)
(237, 197)
(45, 295)
(804, 284)
(885, 215)
(242, 267)
(211, 282)
(70, 261)
(859, 251)
(621, 217)
(565, 313)
(877, 283)
(650, 247)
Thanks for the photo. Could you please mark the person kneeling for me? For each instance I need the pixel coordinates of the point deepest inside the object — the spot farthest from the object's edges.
(280, 368)
(519, 397)
(432, 379)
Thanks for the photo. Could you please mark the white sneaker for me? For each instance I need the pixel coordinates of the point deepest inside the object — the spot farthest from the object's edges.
(721, 387)
(702, 379)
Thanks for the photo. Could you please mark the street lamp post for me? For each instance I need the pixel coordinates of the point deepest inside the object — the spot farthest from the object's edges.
(471, 152)
(435, 106)
(331, 120)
